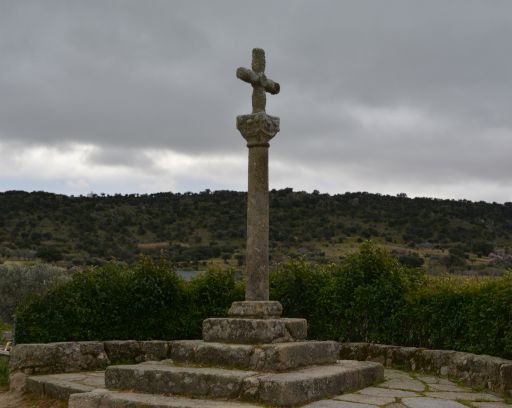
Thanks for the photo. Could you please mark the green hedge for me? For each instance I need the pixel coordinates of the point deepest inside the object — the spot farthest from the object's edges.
(369, 297)
(146, 301)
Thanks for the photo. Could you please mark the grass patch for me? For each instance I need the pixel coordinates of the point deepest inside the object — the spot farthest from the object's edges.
(4, 372)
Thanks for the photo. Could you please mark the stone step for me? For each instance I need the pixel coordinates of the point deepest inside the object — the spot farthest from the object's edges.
(61, 386)
(266, 357)
(113, 399)
(254, 331)
(164, 378)
(312, 383)
(276, 389)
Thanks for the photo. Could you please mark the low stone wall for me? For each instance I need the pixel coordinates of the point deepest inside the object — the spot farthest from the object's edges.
(52, 358)
(474, 370)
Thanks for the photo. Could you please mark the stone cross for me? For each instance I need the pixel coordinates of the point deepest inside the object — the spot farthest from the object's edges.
(257, 129)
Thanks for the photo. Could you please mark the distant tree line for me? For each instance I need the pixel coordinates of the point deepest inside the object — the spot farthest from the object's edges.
(84, 230)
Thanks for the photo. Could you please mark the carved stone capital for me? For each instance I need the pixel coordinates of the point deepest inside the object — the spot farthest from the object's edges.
(257, 128)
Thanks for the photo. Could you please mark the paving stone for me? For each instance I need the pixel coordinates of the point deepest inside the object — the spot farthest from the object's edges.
(386, 392)
(365, 399)
(254, 331)
(448, 387)
(428, 379)
(404, 384)
(423, 402)
(132, 400)
(490, 405)
(390, 374)
(465, 396)
(337, 404)
(396, 405)
(267, 357)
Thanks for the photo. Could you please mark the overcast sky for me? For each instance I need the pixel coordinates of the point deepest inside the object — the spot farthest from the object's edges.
(390, 96)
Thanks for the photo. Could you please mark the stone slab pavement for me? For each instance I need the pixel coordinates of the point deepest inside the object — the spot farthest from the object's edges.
(399, 390)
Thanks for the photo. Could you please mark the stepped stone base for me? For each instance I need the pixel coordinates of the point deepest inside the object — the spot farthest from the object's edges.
(131, 400)
(279, 389)
(254, 331)
(266, 357)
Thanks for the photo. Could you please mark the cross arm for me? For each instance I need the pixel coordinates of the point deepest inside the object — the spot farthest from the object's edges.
(247, 75)
(271, 86)
(258, 79)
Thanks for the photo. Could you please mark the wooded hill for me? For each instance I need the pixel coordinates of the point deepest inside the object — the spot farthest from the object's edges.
(192, 228)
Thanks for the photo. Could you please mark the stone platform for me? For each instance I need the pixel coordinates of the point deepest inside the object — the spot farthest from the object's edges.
(262, 359)
(276, 389)
(399, 390)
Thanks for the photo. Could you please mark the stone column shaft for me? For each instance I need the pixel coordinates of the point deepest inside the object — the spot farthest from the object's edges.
(257, 280)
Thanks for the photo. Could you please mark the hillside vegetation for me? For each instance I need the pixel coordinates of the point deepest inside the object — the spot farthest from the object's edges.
(208, 227)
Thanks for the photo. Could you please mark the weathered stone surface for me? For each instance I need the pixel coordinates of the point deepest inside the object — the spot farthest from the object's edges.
(154, 350)
(131, 400)
(490, 404)
(474, 370)
(337, 404)
(312, 383)
(428, 379)
(385, 392)
(214, 354)
(157, 378)
(254, 331)
(266, 357)
(404, 384)
(422, 402)
(505, 380)
(446, 387)
(122, 351)
(257, 128)
(256, 309)
(58, 357)
(390, 374)
(466, 396)
(281, 389)
(365, 399)
(55, 387)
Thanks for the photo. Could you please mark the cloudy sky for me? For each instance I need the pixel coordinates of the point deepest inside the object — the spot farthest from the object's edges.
(387, 96)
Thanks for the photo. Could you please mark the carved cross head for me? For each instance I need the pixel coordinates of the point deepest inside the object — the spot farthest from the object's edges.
(259, 81)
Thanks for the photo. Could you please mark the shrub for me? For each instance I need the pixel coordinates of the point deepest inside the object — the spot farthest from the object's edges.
(467, 314)
(19, 281)
(369, 290)
(210, 295)
(305, 290)
(146, 301)
(110, 302)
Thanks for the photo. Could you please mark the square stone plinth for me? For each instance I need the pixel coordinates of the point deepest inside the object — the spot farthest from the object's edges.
(254, 331)
(270, 309)
(265, 357)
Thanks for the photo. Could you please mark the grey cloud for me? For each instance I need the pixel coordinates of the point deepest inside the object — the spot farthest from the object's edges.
(129, 76)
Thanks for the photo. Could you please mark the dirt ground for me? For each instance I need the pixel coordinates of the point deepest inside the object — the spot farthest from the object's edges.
(17, 400)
